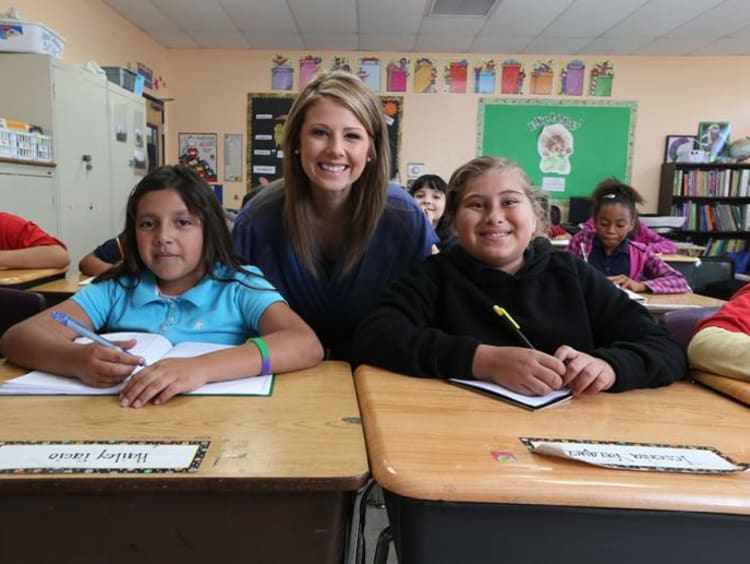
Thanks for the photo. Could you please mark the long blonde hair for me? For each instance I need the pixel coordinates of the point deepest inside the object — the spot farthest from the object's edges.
(368, 195)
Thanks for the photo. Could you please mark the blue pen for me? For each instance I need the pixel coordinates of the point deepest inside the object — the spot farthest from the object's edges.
(73, 325)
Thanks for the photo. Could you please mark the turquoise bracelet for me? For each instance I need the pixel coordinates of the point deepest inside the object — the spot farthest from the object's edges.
(265, 357)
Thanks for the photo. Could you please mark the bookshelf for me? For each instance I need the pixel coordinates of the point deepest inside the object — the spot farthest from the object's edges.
(715, 198)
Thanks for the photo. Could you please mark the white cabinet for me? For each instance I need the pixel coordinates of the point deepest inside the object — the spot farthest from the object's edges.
(30, 191)
(82, 111)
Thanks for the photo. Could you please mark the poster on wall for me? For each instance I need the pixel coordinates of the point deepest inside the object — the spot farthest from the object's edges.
(266, 117)
(198, 151)
(565, 146)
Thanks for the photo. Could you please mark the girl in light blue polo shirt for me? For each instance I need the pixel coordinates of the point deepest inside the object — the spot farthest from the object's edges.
(180, 279)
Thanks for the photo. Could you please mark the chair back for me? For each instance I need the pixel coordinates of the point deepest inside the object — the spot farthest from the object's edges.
(711, 270)
(17, 305)
(681, 323)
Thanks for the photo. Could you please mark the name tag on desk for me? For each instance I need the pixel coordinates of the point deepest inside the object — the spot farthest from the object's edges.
(102, 457)
(638, 456)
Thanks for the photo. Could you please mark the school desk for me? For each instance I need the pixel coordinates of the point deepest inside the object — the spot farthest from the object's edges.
(460, 487)
(23, 278)
(735, 389)
(277, 483)
(659, 303)
(61, 289)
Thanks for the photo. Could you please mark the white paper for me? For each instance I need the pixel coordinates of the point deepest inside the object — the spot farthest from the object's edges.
(637, 456)
(497, 389)
(553, 184)
(150, 346)
(124, 456)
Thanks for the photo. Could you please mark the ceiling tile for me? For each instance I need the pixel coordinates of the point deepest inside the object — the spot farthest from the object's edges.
(725, 46)
(614, 45)
(219, 39)
(196, 15)
(386, 42)
(674, 46)
(446, 25)
(276, 41)
(389, 16)
(173, 39)
(499, 44)
(444, 43)
(658, 17)
(330, 41)
(556, 45)
(721, 21)
(512, 17)
(324, 16)
(143, 14)
(590, 18)
(260, 15)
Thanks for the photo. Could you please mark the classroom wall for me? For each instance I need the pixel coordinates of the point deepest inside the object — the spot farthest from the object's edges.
(210, 89)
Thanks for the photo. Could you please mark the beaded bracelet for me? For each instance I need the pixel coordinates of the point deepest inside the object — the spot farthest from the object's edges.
(265, 357)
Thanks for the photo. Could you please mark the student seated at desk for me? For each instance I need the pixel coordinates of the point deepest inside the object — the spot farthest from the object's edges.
(23, 244)
(103, 257)
(640, 233)
(439, 321)
(627, 263)
(179, 277)
(721, 344)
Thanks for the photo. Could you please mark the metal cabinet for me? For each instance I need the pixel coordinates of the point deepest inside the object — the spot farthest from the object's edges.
(84, 113)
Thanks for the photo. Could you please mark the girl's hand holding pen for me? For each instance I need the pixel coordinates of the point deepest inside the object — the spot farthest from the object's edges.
(526, 371)
(585, 374)
(106, 366)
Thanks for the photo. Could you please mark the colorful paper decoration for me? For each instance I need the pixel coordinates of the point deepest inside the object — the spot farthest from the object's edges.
(397, 74)
(369, 72)
(513, 75)
(541, 77)
(282, 73)
(602, 76)
(425, 76)
(456, 76)
(571, 78)
(484, 77)
(309, 66)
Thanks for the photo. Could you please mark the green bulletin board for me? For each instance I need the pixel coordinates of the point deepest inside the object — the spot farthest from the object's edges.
(566, 147)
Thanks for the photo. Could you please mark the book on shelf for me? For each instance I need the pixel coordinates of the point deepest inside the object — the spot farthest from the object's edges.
(151, 347)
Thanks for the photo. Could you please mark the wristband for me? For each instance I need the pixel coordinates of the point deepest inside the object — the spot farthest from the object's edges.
(265, 358)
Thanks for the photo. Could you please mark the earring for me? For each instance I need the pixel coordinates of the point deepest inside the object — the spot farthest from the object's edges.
(369, 159)
(296, 151)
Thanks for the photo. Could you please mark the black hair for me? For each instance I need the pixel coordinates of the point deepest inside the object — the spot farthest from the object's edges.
(200, 201)
(555, 216)
(429, 181)
(614, 191)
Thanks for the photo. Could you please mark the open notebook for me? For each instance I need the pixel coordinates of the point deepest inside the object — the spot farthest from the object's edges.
(521, 400)
(150, 346)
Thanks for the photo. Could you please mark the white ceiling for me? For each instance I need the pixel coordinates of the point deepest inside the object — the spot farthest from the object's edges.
(585, 27)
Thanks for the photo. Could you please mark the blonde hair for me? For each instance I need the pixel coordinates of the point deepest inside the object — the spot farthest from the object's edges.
(368, 195)
(479, 166)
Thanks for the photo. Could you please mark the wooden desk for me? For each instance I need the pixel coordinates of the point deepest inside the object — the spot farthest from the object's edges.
(23, 278)
(449, 500)
(678, 258)
(277, 484)
(735, 389)
(659, 303)
(61, 289)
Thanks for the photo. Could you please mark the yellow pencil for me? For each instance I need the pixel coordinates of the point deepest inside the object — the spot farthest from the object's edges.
(502, 312)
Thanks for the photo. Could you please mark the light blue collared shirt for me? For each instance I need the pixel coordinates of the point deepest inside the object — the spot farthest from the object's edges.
(213, 311)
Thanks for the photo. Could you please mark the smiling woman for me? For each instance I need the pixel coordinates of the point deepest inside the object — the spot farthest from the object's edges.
(333, 233)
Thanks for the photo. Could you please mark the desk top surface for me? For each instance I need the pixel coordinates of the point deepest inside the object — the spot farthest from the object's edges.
(737, 389)
(684, 299)
(305, 436)
(15, 276)
(68, 285)
(430, 440)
